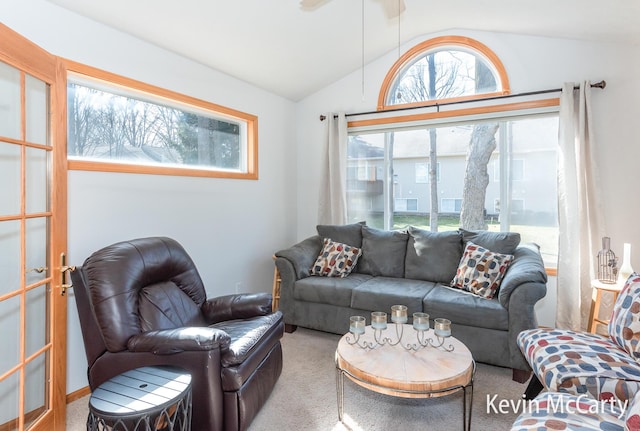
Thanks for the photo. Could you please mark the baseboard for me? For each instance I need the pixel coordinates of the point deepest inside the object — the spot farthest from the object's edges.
(76, 395)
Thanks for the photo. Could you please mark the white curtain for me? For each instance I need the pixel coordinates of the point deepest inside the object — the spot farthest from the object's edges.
(332, 208)
(579, 209)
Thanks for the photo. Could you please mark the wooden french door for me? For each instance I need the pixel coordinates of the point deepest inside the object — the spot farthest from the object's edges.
(32, 236)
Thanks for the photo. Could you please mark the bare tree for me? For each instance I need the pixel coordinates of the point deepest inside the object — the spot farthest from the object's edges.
(429, 79)
(81, 120)
(476, 177)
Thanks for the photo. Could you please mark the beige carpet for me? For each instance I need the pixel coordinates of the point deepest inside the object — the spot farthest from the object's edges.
(305, 398)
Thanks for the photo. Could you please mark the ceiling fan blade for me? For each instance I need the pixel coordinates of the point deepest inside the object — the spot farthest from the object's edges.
(393, 8)
(309, 5)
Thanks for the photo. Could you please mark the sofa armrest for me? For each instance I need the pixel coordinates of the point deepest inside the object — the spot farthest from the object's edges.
(170, 341)
(527, 267)
(238, 306)
(302, 255)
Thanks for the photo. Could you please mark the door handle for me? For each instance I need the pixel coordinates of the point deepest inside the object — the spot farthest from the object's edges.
(64, 269)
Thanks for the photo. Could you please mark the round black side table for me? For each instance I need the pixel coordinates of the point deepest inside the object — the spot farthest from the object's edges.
(144, 399)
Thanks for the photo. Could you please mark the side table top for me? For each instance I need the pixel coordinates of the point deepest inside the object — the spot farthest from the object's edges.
(611, 287)
(139, 390)
(427, 372)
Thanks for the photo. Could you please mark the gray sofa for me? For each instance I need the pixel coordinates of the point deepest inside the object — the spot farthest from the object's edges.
(414, 268)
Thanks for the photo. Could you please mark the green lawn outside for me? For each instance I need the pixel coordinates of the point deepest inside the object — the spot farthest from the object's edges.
(545, 236)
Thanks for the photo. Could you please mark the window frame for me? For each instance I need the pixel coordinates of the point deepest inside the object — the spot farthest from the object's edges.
(459, 42)
(250, 153)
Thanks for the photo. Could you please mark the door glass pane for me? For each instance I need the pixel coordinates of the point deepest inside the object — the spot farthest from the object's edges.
(36, 250)
(9, 391)
(36, 177)
(10, 252)
(9, 101)
(35, 389)
(10, 333)
(9, 178)
(36, 110)
(37, 314)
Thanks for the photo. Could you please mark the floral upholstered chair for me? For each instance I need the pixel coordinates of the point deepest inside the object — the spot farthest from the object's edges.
(588, 364)
(562, 411)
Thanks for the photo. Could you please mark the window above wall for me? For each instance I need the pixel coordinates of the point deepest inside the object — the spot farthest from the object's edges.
(443, 69)
(120, 125)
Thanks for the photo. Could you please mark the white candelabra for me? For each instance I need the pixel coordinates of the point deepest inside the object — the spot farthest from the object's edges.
(441, 330)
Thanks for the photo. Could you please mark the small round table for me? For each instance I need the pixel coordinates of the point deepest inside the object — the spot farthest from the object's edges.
(144, 399)
(392, 370)
(600, 287)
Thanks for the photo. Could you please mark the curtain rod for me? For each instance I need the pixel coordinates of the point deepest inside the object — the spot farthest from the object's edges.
(602, 84)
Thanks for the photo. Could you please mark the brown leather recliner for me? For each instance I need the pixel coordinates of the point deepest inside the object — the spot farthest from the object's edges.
(142, 302)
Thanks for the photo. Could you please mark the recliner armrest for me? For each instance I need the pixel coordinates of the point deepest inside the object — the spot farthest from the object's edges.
(238, 306)
(170, 341)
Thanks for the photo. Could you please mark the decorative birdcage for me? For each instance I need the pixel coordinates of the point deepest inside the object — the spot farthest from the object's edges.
(607, 263)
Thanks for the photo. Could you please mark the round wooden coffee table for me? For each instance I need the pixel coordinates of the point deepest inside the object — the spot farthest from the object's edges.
(393, 370)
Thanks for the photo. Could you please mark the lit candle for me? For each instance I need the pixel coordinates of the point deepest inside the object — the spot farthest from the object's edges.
(420, 321)
(442, 327)
(379, 320)
(399, 314)
(356, 324)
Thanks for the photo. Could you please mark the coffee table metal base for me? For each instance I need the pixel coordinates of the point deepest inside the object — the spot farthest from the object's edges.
(467, 393)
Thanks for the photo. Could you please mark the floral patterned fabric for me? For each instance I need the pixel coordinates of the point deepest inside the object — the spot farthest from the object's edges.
(335, 259)
(580, 363)
(624, 326)
(480, 271)
(561, 411)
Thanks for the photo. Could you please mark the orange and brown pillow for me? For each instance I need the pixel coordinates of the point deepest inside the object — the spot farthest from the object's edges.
(336, 259)
(480, 270)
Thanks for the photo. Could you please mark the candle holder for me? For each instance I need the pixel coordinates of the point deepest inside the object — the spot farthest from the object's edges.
(442, 330)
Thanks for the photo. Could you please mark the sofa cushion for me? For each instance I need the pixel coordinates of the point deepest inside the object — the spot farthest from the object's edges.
(432, 256)
(348, 233)
(165, 306)
(465, 308)
(481, 271)
(328, 290)
(624, 325)
(498, 242)
(383, 252)
(335, 259)
(380, 293)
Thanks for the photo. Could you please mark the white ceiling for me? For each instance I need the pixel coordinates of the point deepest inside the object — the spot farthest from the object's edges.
(277, 46)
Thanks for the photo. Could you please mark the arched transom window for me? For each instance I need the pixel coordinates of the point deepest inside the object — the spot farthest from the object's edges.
(447, 69)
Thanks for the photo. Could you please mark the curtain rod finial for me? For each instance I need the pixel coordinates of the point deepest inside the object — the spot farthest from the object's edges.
(323, 117)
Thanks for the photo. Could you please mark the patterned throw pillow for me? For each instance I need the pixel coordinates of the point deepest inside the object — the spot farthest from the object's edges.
(335, 259)
(480, 271)
(624, 326)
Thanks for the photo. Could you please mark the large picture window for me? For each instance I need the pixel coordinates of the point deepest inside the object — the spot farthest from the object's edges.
(509, 202)
(458, 159)
(119, 127)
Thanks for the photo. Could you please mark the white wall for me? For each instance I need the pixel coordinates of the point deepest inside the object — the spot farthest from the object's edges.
(532, 63)
(231, 228)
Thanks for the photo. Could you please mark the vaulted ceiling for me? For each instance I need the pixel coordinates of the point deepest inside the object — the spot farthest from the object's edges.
(294, 52)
